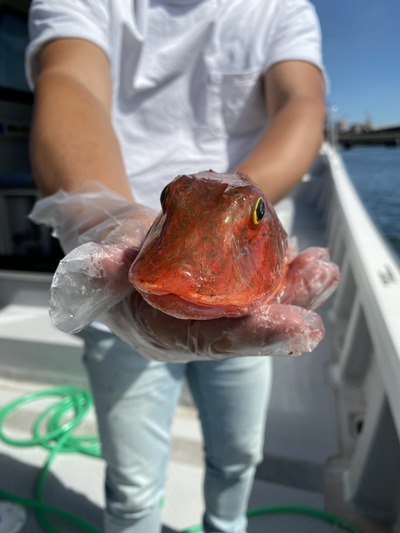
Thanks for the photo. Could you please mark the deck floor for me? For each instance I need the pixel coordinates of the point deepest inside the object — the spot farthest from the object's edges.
(300, 436)
(75, 481)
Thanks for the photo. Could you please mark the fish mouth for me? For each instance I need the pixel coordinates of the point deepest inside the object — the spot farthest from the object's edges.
(191, 308)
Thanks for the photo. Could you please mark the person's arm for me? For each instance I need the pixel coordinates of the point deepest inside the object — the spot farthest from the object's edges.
(295, 97)
(72, 138)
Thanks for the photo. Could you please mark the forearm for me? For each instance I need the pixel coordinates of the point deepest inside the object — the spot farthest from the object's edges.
(72, 139)
(287, 148)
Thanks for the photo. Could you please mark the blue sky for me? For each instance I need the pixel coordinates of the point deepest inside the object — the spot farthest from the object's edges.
(361, 46)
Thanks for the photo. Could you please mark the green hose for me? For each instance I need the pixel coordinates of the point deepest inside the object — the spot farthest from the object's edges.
(58, 437)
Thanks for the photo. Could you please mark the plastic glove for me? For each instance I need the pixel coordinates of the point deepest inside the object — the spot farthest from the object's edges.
(110, 230)
(93, 213)
(310, 280)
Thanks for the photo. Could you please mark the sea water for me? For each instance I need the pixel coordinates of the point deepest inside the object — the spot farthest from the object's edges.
(375, 173)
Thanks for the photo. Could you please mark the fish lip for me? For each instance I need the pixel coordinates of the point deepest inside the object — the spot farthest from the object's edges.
(191, 308)
(200, 300)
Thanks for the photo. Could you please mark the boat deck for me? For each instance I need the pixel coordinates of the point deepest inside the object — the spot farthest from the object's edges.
(75, 481)
(301, 435)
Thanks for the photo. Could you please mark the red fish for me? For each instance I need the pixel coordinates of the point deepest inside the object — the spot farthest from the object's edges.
(217, 249)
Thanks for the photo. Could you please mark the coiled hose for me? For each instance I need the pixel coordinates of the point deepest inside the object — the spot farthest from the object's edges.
(73, 404)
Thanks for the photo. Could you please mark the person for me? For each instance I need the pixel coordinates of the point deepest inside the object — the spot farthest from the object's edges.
(127, 96)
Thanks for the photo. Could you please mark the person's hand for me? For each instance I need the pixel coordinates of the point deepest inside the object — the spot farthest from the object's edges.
(93, 213)
(102, 233)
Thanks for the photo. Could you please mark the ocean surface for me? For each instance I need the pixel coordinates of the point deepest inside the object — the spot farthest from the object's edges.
(375, 173)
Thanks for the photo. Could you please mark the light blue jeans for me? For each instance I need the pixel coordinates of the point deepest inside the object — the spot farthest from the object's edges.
(135, 400)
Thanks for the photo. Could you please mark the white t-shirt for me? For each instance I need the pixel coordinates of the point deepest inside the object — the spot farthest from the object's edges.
(187, 74)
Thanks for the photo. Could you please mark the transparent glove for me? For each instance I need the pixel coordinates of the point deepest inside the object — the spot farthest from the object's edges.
(93, 213)
(102, 232)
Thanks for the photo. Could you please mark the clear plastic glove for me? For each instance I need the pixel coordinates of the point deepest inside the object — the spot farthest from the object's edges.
(102, 232)
(93, 213)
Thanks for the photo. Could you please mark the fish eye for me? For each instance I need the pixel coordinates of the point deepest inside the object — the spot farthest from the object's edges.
(163, 196)
(258, 211)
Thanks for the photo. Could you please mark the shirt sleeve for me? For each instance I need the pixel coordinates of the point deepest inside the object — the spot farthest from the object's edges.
(297, 34)
(52, 19)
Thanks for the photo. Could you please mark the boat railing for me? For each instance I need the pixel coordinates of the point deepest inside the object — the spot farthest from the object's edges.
(365, 370)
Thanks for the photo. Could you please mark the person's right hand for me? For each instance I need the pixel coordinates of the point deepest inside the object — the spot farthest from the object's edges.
(102, 232)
